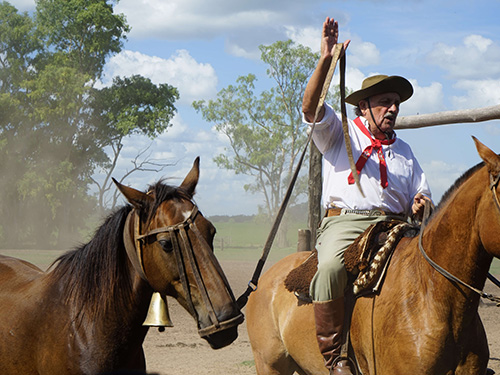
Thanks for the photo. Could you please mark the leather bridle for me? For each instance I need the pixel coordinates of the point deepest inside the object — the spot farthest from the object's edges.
(493, 187)
(494, 181)
(183, 250)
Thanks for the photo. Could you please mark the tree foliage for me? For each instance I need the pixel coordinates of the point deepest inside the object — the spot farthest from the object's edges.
(55, 124)
(265, 129)
(132, 105)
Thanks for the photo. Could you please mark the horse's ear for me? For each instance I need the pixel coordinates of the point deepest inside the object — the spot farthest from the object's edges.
(191, 180)
(135, 197)
(491, 159)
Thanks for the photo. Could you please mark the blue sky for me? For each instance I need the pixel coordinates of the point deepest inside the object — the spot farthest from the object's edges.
(449, 50)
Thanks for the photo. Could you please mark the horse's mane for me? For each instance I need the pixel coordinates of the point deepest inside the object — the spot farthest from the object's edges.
(94, 275)
(459, 183)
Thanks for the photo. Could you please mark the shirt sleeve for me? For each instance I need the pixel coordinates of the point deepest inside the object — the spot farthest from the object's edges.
(419, 181)
(327, 131)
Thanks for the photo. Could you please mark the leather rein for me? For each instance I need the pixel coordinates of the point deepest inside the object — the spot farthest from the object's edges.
(338, 55)
(183, 251)
(494, 181)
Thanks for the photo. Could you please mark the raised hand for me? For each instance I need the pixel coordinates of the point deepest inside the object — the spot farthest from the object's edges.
(329, 37)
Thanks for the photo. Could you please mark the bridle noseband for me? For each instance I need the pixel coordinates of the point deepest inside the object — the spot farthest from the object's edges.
(494, 181)
(182, 249)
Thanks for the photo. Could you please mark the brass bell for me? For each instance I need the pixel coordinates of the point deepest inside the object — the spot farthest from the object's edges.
(158, 315)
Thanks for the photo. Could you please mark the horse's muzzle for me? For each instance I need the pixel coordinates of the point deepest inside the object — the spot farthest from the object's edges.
(222, 334)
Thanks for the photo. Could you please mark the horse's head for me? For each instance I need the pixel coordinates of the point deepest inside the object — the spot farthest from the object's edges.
(170, 245)
(489, 205)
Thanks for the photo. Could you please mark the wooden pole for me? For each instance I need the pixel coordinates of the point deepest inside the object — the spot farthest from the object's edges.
(304, 240)
(449, 117)
(314, 188)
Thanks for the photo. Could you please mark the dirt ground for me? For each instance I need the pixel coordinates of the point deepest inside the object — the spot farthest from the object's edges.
(180, 351)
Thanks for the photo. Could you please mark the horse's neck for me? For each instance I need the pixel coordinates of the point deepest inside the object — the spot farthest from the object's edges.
(114, 301)
(452, 240)
(115, 335)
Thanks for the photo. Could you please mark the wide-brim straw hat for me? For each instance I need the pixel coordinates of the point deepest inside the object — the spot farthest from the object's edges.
(381, 84)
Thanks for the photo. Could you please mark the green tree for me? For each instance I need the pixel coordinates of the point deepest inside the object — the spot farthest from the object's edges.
(77, 36)
(18, 46)
(132, 105)
(51, 136)
(265, 130)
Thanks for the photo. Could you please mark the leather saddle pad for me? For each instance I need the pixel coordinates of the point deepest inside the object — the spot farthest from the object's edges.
(368, 257)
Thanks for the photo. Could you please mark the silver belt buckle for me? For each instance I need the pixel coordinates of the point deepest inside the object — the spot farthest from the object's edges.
(347, 211)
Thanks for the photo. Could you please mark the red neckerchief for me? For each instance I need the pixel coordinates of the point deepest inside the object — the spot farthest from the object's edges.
(365, 155)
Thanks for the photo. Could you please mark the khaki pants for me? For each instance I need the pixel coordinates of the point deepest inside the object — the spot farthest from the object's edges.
(334, 236)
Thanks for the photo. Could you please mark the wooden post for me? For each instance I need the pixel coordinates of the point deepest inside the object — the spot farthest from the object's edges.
(304, 240)
(314, 189)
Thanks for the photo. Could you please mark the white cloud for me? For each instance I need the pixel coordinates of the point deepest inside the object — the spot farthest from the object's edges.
(24, 5)
(476, 58)
(307, 36)
(479, 93)
(362, 54)
(193, 79)
(478, 43)
(194, 18)
(424, 100)
(239, 51)
(441, 176)
(243, 25)
(354, 78)
(359, 53)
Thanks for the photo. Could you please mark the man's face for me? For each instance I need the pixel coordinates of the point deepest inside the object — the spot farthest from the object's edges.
(385, 109)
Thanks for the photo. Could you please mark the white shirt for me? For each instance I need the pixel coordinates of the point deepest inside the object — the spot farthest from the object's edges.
(404, 175)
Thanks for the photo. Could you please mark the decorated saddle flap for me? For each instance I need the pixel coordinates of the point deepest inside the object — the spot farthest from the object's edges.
(367, 257)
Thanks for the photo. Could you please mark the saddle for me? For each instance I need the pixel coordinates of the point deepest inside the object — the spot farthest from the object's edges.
(368, 257)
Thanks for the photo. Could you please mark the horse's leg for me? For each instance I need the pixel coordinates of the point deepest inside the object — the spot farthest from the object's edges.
(269, 353)
(299, 336)
(282, 365)
(270, 311)
(137, 361)
(478, 352)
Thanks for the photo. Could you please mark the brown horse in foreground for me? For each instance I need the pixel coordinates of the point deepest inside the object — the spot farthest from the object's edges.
(84, 315)
(420, 322)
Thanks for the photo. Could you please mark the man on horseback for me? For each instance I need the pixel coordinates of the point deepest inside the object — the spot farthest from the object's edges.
(391, 178)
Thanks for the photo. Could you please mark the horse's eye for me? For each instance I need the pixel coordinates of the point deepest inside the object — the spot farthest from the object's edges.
(166, 244)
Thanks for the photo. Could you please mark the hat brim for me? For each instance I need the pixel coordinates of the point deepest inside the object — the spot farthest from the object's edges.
(396, 84)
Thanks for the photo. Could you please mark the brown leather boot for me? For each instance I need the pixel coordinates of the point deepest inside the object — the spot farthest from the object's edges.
(329, 318)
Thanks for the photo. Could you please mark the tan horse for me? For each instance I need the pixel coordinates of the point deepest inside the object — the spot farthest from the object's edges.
(420, 322)
(84, 315)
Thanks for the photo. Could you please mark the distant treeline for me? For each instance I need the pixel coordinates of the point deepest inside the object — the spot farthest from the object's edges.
(231, 219)
(295, 213)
